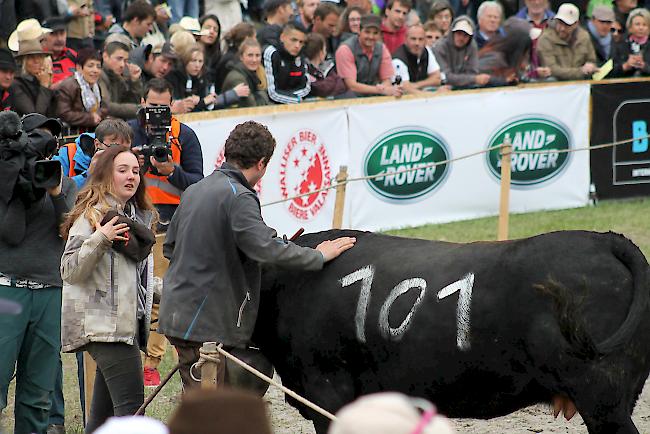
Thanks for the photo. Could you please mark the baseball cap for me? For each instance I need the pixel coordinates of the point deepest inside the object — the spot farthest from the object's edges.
(603, 13)
(55, 23)
(37, 120)
(370, 21)
(166, 50)
(463, 26)
(7, 61)
(568, 13)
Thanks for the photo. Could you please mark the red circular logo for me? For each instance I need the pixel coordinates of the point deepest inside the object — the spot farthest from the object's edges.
(304, 169)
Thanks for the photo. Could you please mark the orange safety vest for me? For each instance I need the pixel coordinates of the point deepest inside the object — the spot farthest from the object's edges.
(159, 189)
(72, 150)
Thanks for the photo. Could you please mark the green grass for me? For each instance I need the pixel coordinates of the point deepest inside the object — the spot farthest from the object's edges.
(629, 217)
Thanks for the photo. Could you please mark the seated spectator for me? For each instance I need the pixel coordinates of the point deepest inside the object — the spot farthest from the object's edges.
(120, 80)
(457, 55)
(7, 74)
(189, 80)
(246, 72)
(79, 99)
(364, 62)
(415, 63)
(566, 48)
(632, 56)
(442, 14)
(599, 28)
(350, 23)
(432, 33)
(618, 31)
(162, 63)
(536, 12)
(324, 82)
(390, 413)
(211, 42)
(286, 70)
(393, 26)
(137, 21)
(505, 58)
(326, 18)
(63, 58)
(278, 13)
(233, 40)
(30, 91)
(306, 9)
(490, 16)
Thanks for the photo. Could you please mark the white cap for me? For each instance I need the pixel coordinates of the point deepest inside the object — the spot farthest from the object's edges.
(192, 25)
(463, 26)
(568, 13)
(132, 425)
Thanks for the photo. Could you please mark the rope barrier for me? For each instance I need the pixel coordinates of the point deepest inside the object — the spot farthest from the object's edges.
(271, 381)
(451, 160)
(203, 358)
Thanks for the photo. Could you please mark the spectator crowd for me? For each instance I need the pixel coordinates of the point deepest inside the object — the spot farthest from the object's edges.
(84, 62)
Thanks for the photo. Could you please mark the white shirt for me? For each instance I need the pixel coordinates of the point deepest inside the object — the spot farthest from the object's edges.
(403, 71)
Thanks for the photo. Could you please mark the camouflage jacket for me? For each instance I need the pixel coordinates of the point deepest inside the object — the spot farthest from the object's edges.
(100, 290)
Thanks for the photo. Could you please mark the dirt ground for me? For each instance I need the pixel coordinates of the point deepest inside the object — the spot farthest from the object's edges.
(535, 419)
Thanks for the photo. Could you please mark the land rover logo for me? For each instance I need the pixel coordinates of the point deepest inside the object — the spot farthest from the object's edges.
(531, 134)
(397, 151)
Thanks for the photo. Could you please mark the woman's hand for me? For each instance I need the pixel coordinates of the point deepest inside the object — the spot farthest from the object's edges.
(209, 99)
(242, 90)
(113, 230)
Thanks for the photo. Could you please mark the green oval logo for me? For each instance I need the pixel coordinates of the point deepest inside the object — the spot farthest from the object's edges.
(531, 134)
(396, 153)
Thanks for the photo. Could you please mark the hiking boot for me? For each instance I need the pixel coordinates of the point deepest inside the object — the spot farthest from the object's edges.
(55, 429)
(151, 377)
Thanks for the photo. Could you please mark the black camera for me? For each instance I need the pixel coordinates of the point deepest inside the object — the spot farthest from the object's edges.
(157, 123)
(46, 173)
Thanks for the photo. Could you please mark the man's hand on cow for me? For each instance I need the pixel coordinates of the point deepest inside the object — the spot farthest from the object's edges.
(332, 248)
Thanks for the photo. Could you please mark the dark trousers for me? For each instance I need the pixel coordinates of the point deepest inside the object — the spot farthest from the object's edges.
(30, 342)
(57, 411)
(188, 355)
(119, 386)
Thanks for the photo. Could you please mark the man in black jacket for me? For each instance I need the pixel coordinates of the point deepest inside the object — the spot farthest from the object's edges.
(415, 63)
(7, 73)
(286, 70)
(216, 244)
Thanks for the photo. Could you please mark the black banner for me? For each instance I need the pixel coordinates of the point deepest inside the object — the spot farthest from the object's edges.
(621, 111)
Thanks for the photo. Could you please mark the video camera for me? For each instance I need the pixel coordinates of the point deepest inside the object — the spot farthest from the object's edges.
(157, 123)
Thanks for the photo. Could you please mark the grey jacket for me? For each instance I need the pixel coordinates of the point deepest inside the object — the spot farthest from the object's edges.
(100, 290)
(216, 243)
(460, 65)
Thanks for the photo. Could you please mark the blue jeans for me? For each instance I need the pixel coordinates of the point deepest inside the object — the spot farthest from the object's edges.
(183, 8)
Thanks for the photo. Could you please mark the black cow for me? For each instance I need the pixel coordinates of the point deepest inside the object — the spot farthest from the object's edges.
(481, 329)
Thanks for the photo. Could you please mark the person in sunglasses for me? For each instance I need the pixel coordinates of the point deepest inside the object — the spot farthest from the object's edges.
(600, 31)
(76, 157)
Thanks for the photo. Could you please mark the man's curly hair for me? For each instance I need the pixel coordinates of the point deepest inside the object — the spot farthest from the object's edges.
(249, 143)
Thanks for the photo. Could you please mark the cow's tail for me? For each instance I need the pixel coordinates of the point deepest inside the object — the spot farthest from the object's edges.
(630, 255)
(569, 303)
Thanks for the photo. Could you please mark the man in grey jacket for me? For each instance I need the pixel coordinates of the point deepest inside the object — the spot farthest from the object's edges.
(216, 244)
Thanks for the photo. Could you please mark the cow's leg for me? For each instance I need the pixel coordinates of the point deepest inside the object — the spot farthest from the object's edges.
(612, 423)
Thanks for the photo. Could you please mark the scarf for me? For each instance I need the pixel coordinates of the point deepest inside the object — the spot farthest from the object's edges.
(90, 96)
(638, 39)
(603, 41)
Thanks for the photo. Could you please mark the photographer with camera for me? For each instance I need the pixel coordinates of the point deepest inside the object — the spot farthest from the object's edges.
(172, 160)
(32, 205)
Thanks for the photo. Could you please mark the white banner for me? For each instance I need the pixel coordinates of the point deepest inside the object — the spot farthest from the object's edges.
(381, 139)
(310, 148)
(394, 136)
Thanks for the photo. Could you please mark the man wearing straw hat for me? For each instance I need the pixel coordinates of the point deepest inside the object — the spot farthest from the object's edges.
(31, 93)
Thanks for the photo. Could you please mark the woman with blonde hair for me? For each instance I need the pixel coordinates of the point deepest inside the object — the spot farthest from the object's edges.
(249, 72)
(107, 272)
(632, 55)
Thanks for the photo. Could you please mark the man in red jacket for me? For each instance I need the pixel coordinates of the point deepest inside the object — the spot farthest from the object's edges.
(63, 58)
(393, 27)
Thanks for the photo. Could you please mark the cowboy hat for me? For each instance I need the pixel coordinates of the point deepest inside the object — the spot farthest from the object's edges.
(27, 29)
(32, 46)
(192, 25)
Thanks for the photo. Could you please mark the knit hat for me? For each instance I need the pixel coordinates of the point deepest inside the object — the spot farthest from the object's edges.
(221, 411)
(389, 413)
(132, 425)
